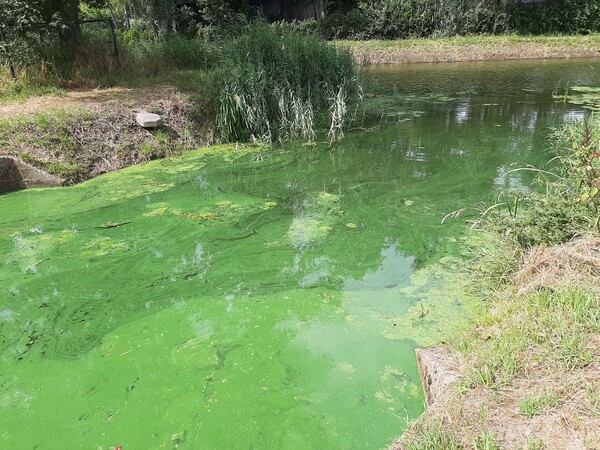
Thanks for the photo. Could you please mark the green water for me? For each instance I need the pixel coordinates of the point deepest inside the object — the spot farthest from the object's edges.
(245, 298)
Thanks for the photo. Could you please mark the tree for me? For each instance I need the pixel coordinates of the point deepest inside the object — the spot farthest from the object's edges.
(63, 14)
(18, 16)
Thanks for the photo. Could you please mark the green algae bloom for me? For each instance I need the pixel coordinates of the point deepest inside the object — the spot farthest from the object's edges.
(219, 300)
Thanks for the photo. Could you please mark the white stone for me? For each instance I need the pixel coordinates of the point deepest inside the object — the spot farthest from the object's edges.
(148, 120)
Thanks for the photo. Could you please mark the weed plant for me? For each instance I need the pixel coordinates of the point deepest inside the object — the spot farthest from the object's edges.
(537, 404)
(566, 199)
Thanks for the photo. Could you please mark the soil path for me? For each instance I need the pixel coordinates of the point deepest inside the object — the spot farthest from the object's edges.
(87, 99)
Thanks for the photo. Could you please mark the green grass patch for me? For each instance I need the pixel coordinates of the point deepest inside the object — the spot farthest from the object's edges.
(431, 437)
(538, 404)
(21, 91)
(555, 326)
(486, 441)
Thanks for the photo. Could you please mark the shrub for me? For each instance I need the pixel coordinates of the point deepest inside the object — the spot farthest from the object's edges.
(555, 16)
(355, 24)
(309, 26)
(393, 19)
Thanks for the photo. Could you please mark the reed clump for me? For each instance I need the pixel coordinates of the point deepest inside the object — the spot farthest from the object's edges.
(278, 85)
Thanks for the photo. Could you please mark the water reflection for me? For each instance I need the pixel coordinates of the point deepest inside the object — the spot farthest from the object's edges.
(394, 269)
(510, 178)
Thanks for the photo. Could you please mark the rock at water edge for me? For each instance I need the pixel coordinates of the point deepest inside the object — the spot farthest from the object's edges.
(15, 175)
(438, 372)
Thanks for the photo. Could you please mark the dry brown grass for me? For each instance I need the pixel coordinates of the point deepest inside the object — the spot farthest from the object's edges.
(573, 423)
(574, 263)
(87, 98)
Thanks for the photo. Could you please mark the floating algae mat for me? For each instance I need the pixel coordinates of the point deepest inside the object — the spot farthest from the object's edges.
(587, 96)
(252, 298)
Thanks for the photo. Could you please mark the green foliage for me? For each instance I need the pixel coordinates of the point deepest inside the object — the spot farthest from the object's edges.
(486, 441)
(272, 85)
(534, 443)
(558, 324)
(19, 90)
(174, 52)
(221, 12)
(584, 162)
(546, 218)
(309, 26)
(354, 24)
(19, 15)
(556, 16)
(393, 19)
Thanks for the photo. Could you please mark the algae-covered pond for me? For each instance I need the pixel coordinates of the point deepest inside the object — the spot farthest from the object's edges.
(265, 299)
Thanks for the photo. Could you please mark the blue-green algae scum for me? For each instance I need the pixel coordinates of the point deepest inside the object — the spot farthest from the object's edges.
(240, 297)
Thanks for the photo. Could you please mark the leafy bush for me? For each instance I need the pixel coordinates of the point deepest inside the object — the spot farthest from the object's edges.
(309, 26)
(555, 16)
(354, 24)
(393, 19)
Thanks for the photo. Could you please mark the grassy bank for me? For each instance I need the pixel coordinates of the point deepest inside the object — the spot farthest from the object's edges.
(86, 136)
(530, 364)
(473, 48)
(256, 85)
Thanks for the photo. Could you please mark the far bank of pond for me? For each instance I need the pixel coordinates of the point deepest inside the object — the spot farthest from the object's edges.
(474, 48)
(264, 298)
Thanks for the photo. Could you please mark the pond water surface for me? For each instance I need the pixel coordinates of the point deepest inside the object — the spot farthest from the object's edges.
(263, 299)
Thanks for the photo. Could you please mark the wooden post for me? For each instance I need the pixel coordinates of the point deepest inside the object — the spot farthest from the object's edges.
(113, 32)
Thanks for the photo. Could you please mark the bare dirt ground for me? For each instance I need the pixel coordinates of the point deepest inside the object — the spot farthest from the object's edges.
(89, 99)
